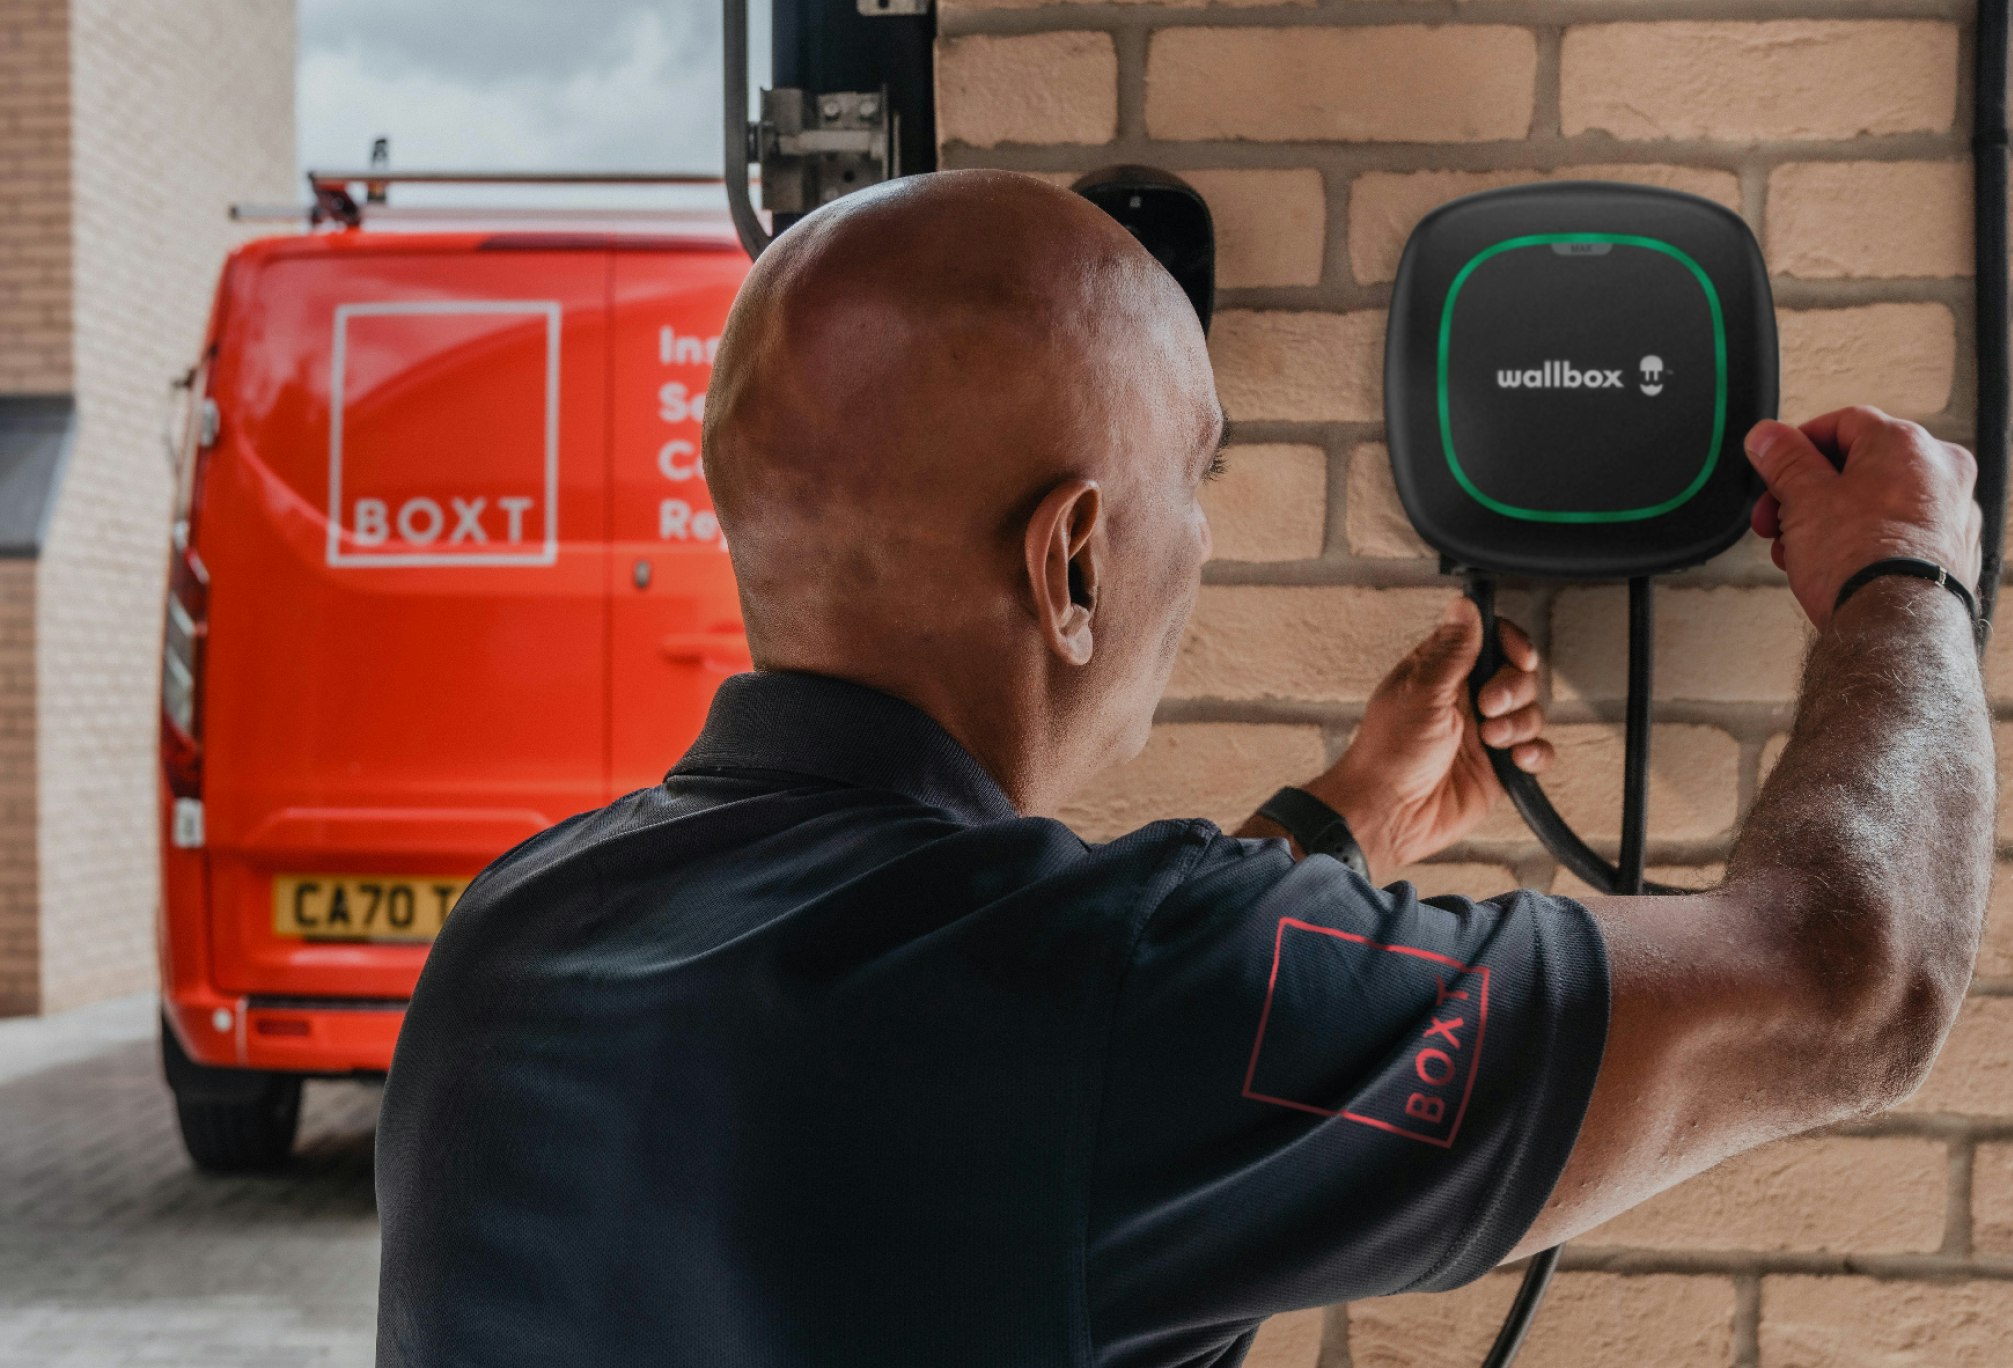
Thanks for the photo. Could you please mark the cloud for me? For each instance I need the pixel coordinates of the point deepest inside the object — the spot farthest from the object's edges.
(589, 85)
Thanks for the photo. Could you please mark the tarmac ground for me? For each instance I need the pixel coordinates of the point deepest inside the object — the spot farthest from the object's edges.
(114, 1251)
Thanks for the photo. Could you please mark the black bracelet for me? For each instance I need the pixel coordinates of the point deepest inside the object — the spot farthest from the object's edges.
(1915, 568)
(1318, 828)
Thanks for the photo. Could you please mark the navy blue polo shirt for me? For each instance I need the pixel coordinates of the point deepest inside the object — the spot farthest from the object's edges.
(818, 1053)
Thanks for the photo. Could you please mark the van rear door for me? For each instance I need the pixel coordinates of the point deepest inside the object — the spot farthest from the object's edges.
(674, 617)
(405, 529)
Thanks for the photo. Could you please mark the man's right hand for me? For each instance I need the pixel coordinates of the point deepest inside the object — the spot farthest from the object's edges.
(1857, 486)
(1816, 983)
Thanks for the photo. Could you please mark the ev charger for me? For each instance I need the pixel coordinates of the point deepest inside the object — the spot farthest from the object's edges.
(1570, 368)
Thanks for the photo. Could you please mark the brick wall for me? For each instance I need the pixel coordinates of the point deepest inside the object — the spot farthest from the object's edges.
(176, 108)
(1320, 133)
(20, 942)
(34, 196)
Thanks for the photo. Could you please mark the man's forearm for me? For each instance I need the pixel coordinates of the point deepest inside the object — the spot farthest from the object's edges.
(1873, 838)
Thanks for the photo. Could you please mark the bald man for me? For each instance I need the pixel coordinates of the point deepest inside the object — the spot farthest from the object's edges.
(830, 1050)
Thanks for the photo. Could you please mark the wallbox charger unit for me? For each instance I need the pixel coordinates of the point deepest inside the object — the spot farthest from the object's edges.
(1569, 369)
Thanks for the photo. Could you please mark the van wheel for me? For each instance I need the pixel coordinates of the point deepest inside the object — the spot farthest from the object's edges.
(232, 1120)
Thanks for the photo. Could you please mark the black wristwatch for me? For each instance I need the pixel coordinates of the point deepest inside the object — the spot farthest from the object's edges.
(1317, 828)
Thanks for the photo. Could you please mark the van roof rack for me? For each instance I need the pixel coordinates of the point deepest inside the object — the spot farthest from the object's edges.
(334, 201)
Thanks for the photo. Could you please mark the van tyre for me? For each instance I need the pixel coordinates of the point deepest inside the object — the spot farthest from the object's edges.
(232, 1120)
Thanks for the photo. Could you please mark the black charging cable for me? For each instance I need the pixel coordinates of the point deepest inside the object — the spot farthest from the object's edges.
(1625, 876)
(1528, 797)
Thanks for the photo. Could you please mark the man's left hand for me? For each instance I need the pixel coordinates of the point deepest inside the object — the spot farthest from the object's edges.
(1415, 778)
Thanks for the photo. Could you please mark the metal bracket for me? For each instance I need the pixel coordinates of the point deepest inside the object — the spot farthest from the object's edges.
(888, 8)
(815, 148)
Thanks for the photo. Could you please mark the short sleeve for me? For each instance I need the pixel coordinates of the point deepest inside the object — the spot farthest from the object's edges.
(1319, 1091)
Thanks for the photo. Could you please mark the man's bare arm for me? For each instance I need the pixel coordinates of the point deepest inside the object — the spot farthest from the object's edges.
(1817, 983)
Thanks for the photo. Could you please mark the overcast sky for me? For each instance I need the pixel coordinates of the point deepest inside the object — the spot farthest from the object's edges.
(605, 85)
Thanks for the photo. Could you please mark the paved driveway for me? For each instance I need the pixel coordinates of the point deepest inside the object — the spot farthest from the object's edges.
(114, 1251)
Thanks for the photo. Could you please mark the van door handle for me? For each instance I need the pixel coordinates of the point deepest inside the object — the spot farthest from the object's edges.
(725, 650)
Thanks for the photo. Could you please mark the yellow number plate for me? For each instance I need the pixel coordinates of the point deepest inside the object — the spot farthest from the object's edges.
(362, 907)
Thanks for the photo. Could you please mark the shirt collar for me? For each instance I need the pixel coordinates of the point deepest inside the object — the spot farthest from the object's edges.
(830, 729)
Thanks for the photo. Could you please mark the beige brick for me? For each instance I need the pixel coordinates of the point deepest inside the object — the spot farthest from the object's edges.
(1712, 645)
(1300, 366)
(1974, 1074)
(1038, 88)
(1320, 644)
(1292, 1340)
(1468, 880)
(1270, 225)
(1385, 206)
(1787, 1196)
(1900, 357)
(1590, 1320)
(1995, 955)
(1374, 519)
(1219, 770)
(2002, 746)
(1828, 220)
(1737, 81)
(1695, 877)
(1999, 666)
(1404, 83)
(1992, 1199)
(1771, 751)
(1693, 772)
(953, 6)
(1270, 504)
(1843, 1322)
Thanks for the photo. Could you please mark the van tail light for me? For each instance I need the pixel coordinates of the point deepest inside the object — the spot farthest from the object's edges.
(183, 639)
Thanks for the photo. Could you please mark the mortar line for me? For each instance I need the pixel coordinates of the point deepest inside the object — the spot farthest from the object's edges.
(1747, 1320)
(1957, 1237)
(957, 20)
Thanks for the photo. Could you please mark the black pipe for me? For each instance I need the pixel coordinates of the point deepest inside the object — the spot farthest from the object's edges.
(1988, 172)
(1636, 740)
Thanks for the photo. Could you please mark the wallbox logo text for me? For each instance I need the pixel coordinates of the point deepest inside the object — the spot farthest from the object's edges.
(1558, 375)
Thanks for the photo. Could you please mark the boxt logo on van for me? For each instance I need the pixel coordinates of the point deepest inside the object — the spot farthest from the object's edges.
(444, 433)
(1565, 375)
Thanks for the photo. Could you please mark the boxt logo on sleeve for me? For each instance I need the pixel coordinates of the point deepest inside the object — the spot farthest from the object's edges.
(1565, 375)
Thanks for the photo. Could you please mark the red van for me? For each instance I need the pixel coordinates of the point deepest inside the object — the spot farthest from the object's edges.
(444, 572)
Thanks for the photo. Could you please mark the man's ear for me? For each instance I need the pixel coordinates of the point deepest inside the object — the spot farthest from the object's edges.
(1065, 566)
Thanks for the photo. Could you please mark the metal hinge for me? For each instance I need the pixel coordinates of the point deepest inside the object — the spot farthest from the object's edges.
(815, 148)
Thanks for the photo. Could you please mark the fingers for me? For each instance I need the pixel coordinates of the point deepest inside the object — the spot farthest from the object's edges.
(1511, 688)
(1514, 728)
(1840, 430)
(1786, 459)
(1441, 662)
(1533, 757)
(1517, 647)
(1767, 517)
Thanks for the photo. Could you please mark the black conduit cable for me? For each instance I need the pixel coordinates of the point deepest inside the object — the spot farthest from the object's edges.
(1988, 172)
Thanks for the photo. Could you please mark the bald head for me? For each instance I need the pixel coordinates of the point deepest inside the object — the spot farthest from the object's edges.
(909, 379)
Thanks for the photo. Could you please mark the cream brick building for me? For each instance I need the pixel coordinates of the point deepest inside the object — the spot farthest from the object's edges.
(127, 127)
(1320, 132)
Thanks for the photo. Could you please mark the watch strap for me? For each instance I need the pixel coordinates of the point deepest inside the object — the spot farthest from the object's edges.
(1914, 568)
(1317, 828)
